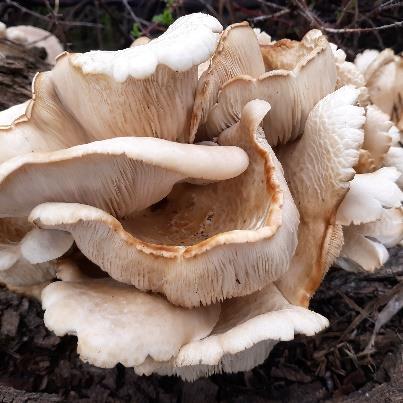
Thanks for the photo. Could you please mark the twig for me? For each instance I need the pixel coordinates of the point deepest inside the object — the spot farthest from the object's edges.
(359, 30)
(270, 16)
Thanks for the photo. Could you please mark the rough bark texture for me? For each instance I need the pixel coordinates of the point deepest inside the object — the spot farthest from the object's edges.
(18, 66)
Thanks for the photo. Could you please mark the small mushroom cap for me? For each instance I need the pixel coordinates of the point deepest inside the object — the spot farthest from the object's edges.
(237, 53)
(292, 89)
(322, 161)
(368, 195)
(263, 37)
(361, 253)
(33, 36)
(29, 261)
(116, 323)
(10, 115)
(127, 174)
(394, 158)
(377, 139)
(364, 59)
(199, 245)
(365, 244)
(142, 40)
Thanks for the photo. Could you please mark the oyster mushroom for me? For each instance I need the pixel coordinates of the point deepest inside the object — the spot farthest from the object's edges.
(199, 246)
(290, 85)
(234, 336)
(122, 93)
(27, 255)
(321, 161)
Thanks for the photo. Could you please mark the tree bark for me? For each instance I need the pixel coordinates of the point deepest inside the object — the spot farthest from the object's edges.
(18, 66)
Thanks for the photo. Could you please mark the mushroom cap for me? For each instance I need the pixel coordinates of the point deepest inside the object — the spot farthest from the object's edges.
(116, 323)
(377, 139)
(122, 93)
(368, 195)
(365, 244)
(127, 174)
(237, 53)
(193, 343)
(199, 246)
(33, 36)
(322, 161)
(364, 59)
(394, 158)
(292, 89)
(28, 261)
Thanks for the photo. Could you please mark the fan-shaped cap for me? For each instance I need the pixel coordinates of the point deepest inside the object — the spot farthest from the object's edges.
(321, 161)
(365, 244)
(292, 89)
(394, 158)
(197, 342)
(123, 175)
(99, 95)
(237, 53)
(28, 262)
(116, 323)
(199, 246)
(368, 195)
(377, 140)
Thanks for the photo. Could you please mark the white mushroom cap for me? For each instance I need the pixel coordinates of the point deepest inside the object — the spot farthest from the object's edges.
(3, 29)
(26, 263)
(100, 95)
(189, 41)
(263, 37)
(394, 158)
(116, 323)
(199, 246)
(122, 175)
(153, 336)
(12, 114)
(377, 140)
(321, 161)
(364, 59)
(368, 195)
(365, 244)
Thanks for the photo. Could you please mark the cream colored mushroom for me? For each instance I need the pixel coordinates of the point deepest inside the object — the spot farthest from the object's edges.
(204, 243)
(158, 337)
(377, 140)
(372, 219)
(318, 169)
(365, 244)
(123, 175)
(123, 93)
(26, 256)
(237, 53)
(116, 323)
(291, 86)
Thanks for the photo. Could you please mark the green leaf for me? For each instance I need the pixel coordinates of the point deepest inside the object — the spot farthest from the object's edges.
(136, 30)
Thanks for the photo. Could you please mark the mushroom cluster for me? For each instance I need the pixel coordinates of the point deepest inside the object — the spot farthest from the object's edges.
(190, 192)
